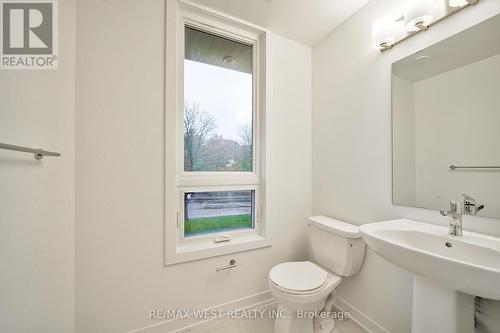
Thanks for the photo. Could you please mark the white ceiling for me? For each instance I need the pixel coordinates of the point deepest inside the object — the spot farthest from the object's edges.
(474, 44)
(306, 21)
(213, 50)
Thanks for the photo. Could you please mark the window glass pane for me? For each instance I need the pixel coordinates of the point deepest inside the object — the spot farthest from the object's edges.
(218, 105)
(208, 212)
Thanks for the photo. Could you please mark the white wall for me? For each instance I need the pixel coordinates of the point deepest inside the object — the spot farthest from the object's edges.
(120, 173)
(457, 123)
(403, 103)
(37, 222)
(352, 146)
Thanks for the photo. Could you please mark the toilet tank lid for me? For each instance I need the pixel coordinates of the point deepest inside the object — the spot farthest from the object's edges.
(338, 227)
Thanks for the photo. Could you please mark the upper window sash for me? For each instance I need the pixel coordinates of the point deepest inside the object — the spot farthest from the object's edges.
(193, 178)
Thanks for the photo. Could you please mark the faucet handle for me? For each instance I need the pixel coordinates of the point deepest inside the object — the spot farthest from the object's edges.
(453, 207)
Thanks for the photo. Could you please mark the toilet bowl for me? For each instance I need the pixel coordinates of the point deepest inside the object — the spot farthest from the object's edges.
(302, 287)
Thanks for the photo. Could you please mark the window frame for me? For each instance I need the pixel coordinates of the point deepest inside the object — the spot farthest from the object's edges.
(180, 249)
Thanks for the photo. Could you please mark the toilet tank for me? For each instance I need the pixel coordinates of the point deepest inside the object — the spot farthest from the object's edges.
(336, 245)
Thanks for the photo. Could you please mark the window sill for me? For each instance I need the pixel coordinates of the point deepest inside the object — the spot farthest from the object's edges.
(208, 249)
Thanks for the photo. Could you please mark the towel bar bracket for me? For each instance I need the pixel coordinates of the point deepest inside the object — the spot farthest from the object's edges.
(232, 264)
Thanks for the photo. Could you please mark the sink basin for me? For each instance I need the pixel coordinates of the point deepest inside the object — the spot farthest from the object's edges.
(469, 264)
(448, 270)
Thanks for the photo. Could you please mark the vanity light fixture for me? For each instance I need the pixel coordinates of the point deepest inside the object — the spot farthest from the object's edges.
(419, 15)
(384, 32)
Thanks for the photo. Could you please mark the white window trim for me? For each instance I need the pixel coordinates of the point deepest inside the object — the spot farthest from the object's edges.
(177, 248)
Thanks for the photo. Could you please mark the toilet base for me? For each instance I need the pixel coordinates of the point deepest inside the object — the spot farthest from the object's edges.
(324, 325)
(290, 322)
(298, 321)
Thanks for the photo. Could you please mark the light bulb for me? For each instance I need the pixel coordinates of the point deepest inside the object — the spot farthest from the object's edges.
(458, 3)
(384, 32)
(418, 14)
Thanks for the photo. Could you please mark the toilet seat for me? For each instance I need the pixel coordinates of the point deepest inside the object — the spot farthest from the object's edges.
(299, 277)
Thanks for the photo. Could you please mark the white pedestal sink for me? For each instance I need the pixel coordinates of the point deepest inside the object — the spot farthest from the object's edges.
(449, 270)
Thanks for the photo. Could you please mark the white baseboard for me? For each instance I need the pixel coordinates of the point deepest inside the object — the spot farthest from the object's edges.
(185, 325)
(358, 317)
(259, 300)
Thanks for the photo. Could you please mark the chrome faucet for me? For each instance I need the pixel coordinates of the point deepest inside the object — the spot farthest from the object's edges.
(455, 214)
(468, 207)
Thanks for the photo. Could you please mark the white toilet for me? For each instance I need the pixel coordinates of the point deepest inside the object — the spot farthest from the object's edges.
(302, 287)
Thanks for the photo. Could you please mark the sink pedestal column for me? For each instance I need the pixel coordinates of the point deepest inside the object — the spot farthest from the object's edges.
(440, 309)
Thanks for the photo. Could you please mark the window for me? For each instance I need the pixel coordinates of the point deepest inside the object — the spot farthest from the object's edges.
(218, 107)
(220, 101)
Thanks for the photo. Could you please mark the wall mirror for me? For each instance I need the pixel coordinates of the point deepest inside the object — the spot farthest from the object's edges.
(446, 121)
